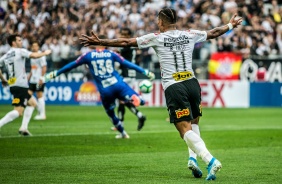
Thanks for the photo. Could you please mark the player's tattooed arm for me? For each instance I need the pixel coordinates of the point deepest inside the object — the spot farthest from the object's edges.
(95, 40)
(120, 42)
(218, 31)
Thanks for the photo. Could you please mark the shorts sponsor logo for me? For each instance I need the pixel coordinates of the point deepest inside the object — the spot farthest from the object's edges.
(181, 113)
(16, 101)
(178, 76)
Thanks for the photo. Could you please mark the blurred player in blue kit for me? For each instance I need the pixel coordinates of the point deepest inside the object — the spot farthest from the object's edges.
(109, 82)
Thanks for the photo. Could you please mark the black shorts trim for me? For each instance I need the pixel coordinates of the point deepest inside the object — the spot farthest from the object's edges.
(20, 96)
(183, 100)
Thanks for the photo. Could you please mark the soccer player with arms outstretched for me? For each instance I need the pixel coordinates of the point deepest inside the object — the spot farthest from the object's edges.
(182, 90)
(23, 101)
(109, 83)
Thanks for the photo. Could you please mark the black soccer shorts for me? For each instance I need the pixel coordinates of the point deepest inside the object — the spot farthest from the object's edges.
(183, 100)
(21, 96)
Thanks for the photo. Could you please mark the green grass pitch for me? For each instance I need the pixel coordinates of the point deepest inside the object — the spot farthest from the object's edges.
(75, 145)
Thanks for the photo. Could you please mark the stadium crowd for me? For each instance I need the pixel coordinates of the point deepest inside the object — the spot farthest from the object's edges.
(58, 24)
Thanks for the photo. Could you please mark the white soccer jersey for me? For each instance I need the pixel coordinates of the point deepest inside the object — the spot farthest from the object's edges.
(174, 49)
(36, 69)
(14, 61)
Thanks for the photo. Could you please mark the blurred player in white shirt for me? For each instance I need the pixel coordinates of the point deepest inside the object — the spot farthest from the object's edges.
(38, 70)
(23, 102)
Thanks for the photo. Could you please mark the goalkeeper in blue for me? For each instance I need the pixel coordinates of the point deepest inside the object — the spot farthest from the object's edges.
(109, 83)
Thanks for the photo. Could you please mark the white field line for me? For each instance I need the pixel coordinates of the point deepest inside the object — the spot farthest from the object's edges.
(83, 134)
(210, 128)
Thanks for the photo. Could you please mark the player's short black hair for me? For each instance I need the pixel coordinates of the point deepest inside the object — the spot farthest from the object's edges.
(11, 38)
(168, 15)
(127, 30)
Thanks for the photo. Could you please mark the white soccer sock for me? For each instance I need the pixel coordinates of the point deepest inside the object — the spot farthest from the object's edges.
(26, 117)
(41, 106)
(10, 116)
(195, 128)
(196, 144)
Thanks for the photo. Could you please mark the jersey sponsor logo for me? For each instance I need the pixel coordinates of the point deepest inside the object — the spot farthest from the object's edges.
(181, 113)
(178, 76)
(34, 67)
(12, 80)
(100, 54)
(176, 43)
(16, 101)
(109, 82)
(178, 39)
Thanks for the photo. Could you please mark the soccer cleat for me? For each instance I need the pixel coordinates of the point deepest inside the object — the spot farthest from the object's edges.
(141, 122)
(40, 117)
(25, 133)
(193, 166)
(122, 136)
(213, 167)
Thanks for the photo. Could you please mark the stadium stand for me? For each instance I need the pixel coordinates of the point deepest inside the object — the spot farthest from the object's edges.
(58, 24)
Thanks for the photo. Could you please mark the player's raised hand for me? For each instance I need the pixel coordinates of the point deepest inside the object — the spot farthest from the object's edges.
(90, 40)
(235, 21)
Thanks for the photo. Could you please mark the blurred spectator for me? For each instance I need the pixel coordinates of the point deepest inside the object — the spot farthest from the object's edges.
(64, 51)
(223, 45)
(46, 46)
(55, 55)
(279, 38)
